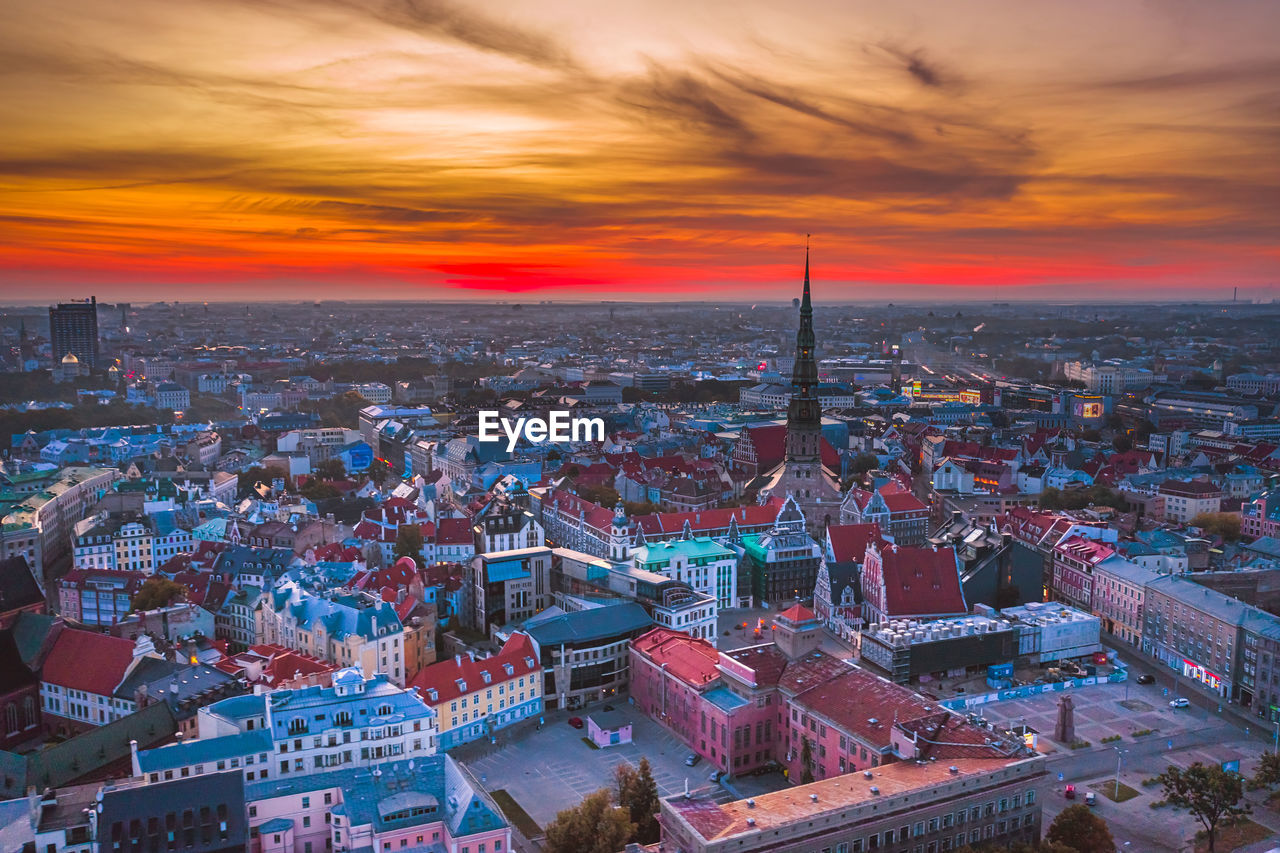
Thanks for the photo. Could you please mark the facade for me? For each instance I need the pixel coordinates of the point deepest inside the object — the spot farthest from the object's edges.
(1108, 378)
(287, 734)
(911, 583)
(98, 597)
(344, 629)
(1183, 501)
(474, 697)
(73, 328)
(938, 806)
(703, 564)
(1196, 631)
(1119, 592)
(508, 586)
(780, 565)
(584, 654)
(1075, 559)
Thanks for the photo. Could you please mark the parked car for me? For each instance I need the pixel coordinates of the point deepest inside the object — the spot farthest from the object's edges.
(716, 776)
(1070, 792)
(1180, 702)
(608, 707)
(1146, 679)
(576, 722)
(692, 759)
(1090, 798)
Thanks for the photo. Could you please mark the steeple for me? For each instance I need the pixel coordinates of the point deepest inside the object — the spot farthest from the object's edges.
(804, 413)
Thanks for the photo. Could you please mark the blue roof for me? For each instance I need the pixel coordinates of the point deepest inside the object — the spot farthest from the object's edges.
(203, 751)
(367, 702)
(597, 623)
(725, 699)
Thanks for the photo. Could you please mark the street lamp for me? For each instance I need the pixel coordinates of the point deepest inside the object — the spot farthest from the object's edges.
(1115, 791)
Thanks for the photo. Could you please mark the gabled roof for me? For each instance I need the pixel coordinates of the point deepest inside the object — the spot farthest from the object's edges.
(461, 675)
(921, 581)
(18, 587)
(84, 660)
(849, 541)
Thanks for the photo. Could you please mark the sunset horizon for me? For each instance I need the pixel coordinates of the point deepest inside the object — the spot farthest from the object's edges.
(653, 151)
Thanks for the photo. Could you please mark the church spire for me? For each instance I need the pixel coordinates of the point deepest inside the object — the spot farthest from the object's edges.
(805, 303)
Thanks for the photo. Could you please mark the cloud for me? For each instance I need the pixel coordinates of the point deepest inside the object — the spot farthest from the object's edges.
(923, 70)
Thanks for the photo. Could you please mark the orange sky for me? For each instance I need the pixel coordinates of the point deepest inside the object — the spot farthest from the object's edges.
(574, 149)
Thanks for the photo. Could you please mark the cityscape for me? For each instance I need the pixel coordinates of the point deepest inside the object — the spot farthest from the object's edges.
(554, 427)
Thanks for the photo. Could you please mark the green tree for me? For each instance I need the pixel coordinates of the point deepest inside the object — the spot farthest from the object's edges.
(1083, 830)
(1224, 524)
(593, 826)
(1268, 773)
(862, 463)
(638, 794)
(1208, 792)
(806, 761)
(157, 592)
(408, 543)
(318, 490)
(331, 469)
(1122, 443)
(380, 471)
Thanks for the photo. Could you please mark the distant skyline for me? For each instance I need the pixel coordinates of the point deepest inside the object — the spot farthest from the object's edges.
(567, 150)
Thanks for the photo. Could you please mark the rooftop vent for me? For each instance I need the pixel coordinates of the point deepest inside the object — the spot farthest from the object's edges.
(751, 804)
(875, 790)
(954, 770)
(751, 821)
(813, 798)
(866, 774)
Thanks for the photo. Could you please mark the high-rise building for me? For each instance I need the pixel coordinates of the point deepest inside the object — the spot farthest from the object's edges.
(73, 328)
(802, 474)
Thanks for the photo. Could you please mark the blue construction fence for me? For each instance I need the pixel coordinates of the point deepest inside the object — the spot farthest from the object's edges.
(961, 703)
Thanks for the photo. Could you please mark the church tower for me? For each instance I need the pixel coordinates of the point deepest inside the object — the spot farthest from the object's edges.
(801, 473)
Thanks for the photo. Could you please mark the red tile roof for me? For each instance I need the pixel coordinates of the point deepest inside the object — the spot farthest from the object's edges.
(770, 443)
(921, 581)
(444, 677)
(767, 662)
(849, 541)
(852, 699)
(710, 519)
(690, 659)
(797, 613)
(454, 531)
(84, 660)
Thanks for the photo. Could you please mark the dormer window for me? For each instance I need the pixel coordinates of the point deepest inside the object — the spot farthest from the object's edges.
(508, 669)
(528, 662)
(485, 675)
(384, 710)
(433, 695)
(462, 685)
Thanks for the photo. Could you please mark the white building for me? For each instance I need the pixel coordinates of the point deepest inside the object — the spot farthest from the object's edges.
(1108, 378)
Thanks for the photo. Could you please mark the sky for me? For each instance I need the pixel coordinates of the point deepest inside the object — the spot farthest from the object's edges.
(577, 149)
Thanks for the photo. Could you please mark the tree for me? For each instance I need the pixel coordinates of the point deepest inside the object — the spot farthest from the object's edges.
(806, 761)
(1210, 793)
(594, 826)
(331, 469)
(862, 463)
(638, 794)
(1083, 830)
(1224, 524)
(1268, 773)
(379, 471)
(1122, 443)
(408, 542)
(157, 592)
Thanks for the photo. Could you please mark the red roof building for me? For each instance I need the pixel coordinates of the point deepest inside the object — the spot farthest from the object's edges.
(904, 582)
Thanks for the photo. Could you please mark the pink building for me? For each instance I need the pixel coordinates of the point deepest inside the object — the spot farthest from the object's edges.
(722, 705)
(1074, 559)
(393, 806)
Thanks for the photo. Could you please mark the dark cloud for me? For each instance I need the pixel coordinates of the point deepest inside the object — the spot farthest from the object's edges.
(925, 71)
(1233, 75)
(467, 25)
(686, 100)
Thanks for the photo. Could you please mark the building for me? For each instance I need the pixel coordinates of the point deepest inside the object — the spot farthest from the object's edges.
(1075, 559)
(705, 565)
(508, 586)
(73, 328)
(98, 597)
(802, 474)
(1183, 501)
(349, 630)
(910, 583)
(172, 396)
(780, 565)
(1255, 383)
(1119, 593)
(1051, 632)
(908, 652)
(287, 734)
(902, 516)
(938, 806)
(1108, 378)
(38, 525)
(584, 654)
(1196, 631)
(474, 697)
(82, 675)
(20, 591)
